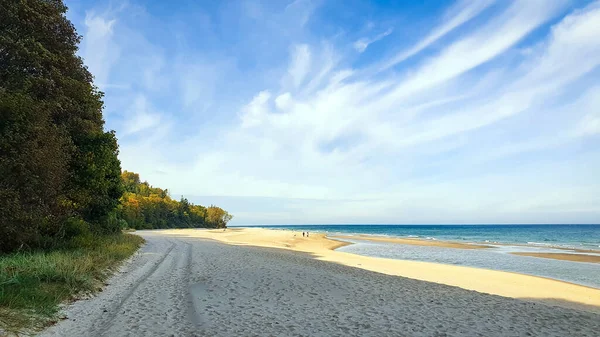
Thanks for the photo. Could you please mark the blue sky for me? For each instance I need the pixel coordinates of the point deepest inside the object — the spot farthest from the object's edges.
(316, 111)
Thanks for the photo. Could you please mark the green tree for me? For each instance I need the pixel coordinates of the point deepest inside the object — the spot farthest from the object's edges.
(130, 181)
(33, 169)
(99, 181)
(59, 172)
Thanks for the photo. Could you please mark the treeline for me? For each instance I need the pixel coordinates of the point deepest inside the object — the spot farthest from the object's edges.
(60, 177)
(146, 207)
(59, 171)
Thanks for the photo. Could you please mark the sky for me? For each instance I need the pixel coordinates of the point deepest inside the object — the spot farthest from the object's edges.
(317, 111)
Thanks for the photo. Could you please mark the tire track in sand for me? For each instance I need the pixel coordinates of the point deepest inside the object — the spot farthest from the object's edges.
(104, 326)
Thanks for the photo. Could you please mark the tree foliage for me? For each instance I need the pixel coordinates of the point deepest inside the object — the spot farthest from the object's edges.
(59, 171)
(60, 177)
(146, 207)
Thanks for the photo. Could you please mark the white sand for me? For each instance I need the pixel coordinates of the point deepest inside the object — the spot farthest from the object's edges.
(181, 286)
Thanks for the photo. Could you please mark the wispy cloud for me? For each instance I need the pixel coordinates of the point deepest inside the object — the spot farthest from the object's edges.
(589, 106)
(98, 50)
(300, 64)
(140, 116)
(361, 44)
(461, 126)
(461, 12)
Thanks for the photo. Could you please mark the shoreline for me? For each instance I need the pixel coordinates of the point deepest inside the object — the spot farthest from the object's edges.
(583, 255)
(412, 241)
(506, 284)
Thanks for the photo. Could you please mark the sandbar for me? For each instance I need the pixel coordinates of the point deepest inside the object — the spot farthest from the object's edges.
(563, 256)
(412, 241)
(580, 257)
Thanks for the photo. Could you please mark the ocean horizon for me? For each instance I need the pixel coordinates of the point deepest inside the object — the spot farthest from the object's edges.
(504, 239)
(580, 236)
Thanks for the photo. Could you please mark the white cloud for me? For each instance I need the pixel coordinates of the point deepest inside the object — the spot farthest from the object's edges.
(256, 111)
(590, 125)
(98, 49)
(589, 104)
(283, 101)
(432, 141)
(346, 106)
(140, 116)
(361, 44)
(461, 12)
(300, 64)
(565, 58)
(486, 43)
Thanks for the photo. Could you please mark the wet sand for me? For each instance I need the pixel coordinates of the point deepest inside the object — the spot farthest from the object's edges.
(563, 256)
(411, 241)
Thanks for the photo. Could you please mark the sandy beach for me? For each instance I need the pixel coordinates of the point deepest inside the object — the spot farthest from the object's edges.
(256, 282)
(482, 280)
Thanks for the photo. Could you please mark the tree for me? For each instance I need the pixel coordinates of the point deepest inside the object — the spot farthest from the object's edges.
(217, 217)
(58, 166)
(151, 207)
(33, 170)
(130, 181)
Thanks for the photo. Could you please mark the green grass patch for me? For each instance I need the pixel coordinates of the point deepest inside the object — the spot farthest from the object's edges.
(33, 284)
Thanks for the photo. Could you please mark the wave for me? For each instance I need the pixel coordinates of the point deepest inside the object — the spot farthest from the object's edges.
(539, 244)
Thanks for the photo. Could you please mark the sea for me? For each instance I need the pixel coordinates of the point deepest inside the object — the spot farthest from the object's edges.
(505, 239)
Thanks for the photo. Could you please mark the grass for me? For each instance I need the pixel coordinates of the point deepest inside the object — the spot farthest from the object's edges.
(33, 284)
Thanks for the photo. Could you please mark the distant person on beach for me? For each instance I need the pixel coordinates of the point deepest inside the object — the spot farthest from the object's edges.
(302, 234)
(306, 234)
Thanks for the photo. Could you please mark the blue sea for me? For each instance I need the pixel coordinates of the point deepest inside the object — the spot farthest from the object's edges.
(504, 238)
